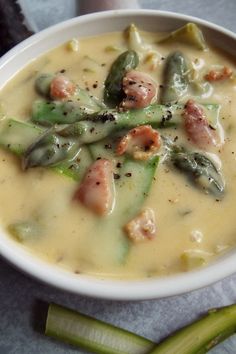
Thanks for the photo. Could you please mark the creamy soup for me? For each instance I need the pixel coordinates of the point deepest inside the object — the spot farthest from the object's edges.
(152, 194)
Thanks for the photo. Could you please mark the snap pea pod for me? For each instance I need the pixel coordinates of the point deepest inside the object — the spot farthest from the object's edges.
(64, 112)
(190, 34)
(125, 62)
(81, 98)
(175, 78)
(133, 178)
(17, 136)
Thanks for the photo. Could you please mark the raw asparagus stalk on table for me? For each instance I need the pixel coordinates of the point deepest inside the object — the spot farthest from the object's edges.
(99, 337)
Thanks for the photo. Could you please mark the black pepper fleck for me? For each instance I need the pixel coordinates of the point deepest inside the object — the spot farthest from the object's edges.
(104, 117)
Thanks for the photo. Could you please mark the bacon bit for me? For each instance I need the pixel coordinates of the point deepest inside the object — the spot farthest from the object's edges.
(61, 87)
(142, 227)
(197, 126)
(141, 142)
(96, 191)
(223, 74)
(139, 88)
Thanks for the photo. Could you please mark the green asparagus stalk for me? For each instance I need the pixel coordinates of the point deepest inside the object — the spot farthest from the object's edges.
(125, 62)
(100, 337)
(93, 335)
(17, 136)
(202, 335)
(175, 78)
(201, 171)
(110, 120)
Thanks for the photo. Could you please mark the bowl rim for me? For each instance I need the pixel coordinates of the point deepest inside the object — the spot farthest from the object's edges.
(106, 288)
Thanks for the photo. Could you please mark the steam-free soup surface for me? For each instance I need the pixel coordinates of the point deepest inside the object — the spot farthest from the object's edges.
(188, 221)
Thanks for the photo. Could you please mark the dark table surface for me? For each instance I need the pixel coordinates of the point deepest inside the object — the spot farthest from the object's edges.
(21, 296)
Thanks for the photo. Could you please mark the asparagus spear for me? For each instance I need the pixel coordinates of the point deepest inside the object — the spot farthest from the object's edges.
(157, 115)
(100, 337)
(49, 149)
(17, 136)
(202, 335)
(125, 62)
(200, 169)
(62, 145)
(92, 334)
(175, 78)
(43, 82)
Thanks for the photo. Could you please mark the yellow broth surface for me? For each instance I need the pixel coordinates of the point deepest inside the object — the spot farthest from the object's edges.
(76, 239)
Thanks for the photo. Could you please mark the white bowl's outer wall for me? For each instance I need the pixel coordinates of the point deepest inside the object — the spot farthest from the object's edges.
(90, 25)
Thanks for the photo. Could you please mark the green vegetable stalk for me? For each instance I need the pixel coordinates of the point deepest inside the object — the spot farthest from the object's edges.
(17, 137)
(200, 169)
(202, 335)
(100, 337)
(113, 93)
(91, 334)
(175, 78)
(110, 120)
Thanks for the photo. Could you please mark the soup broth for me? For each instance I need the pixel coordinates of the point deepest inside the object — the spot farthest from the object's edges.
(193, 225)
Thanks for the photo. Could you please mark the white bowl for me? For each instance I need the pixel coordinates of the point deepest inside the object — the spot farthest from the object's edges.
(89, 25)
